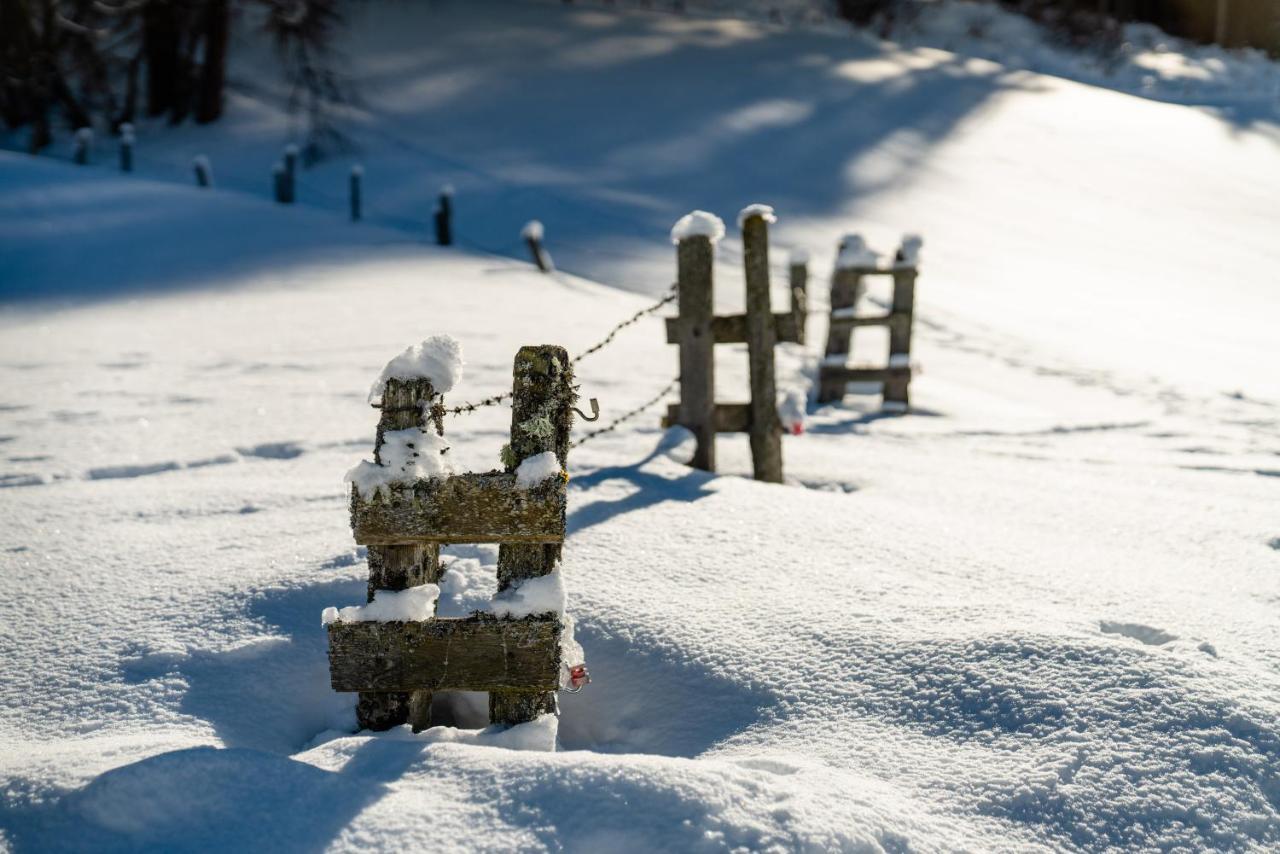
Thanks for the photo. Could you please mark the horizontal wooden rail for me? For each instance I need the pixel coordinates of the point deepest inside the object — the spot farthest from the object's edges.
(732, 328)
(730, 417)
(479, 653)
(846, 374)
(465, 508)
(846, 318)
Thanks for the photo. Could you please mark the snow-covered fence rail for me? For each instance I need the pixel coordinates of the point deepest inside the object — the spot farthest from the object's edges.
(697, 330)
(396, 664)
(854, 262)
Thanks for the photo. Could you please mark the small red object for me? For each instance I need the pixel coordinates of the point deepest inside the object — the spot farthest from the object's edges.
(797, 429)
(578, 677)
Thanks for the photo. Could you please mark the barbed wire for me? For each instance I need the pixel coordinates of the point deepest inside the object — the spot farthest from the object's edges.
(626, 416)
(635, 318)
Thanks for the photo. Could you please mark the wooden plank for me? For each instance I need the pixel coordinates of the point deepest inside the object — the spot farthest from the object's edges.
(479, 653)
(844, 375)
(464, 508)
(846, 287)
(765, 429)
(697, 347)
(732, 329)
(730, 417)
(892, 320)
(542, 396)
(904, 301)
(799, 280)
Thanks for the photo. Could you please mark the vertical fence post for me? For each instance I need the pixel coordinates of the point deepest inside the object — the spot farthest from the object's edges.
(532, 235)
(399, 567)
(697, 411)
(126, 147)
(444, 216)
(277, 182)
(83, 145)
(357, 174)
(765, 429)
(846, 287)
(541, 417)
(203, 169)
(798, 278)
(901, 318)
(289, 183)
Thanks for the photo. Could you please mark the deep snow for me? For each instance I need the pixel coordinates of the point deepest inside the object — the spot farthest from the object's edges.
(1038, 611)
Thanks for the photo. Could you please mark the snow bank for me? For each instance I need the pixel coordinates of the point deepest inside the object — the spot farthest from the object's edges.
(536, 469)
(532, 230)
(542, 595)
(697, 224)
(407, 456)
(765, 212)
(855, 253)
(414, 603)
(438, 359)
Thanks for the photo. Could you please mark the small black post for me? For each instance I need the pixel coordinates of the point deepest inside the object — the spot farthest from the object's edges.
(290, 174)
(357, 173)
(278, 182)
(83, 144)
(532, 234)
(444, 216)
(126, 147)
(203, 169)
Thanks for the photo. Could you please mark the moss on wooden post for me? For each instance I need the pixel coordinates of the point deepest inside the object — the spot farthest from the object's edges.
(543, 395)
(765, 429)
(405, 404)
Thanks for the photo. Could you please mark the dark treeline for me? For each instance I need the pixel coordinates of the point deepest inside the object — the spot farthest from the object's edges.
(81, 63)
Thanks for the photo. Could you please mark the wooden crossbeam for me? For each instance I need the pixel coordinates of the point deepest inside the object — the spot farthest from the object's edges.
(846, 374)
(730, 417)
(465, 508)
(892, 319)
(732, 328)
(479, 653)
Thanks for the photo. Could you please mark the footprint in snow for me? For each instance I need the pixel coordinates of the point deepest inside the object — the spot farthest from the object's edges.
(1144, 634)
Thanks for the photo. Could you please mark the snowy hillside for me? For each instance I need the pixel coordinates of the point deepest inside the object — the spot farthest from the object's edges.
(1037, 612)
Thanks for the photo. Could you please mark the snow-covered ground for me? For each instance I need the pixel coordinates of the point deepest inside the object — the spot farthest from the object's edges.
(1041, 610)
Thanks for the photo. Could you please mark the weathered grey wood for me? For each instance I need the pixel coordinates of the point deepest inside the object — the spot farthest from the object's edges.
(479, 653)
(846, 287)
(539, 255)
(732, 329)
(398, 564)
(799, 280)
(729, 418)
(904, 300)
(845, 375)
(697, 347)
(464, 508)
(543, 395)
(890, 320)
(765, 429)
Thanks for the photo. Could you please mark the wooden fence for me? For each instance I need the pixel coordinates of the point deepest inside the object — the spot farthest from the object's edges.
(697, 330)
(395, 666)
(847, 285)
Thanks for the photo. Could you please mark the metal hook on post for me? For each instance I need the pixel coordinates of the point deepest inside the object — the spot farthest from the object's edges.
(595, 411)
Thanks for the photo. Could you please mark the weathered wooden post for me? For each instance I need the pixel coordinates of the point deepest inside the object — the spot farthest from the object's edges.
(532, 236)
(444, 216)
(541, 417)
(289, 184)
(83, 146)
(357, 176)
(764, 429)
(126, 147)
(902, 315)
(798, 276)
(203, 170)
(277, 182)
(695, 236)
(846, 287)
(399, 567)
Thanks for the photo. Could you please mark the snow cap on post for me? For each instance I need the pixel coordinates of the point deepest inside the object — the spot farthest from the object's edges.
(697, 224)
(532, 230)
(357, 169)
(909, 251)
(437, 359)
(854, 253)
(446, 190)
(763, 211)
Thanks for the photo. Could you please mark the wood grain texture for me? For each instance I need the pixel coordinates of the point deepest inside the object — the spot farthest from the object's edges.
(464, 508)
(765, 429)
(694, 257)
(730, 417)
(732, 329)
(480, 653)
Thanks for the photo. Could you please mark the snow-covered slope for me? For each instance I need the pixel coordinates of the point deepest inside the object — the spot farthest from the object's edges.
(1039, 611)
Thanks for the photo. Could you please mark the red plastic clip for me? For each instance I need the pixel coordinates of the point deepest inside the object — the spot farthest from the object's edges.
(579, 678)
